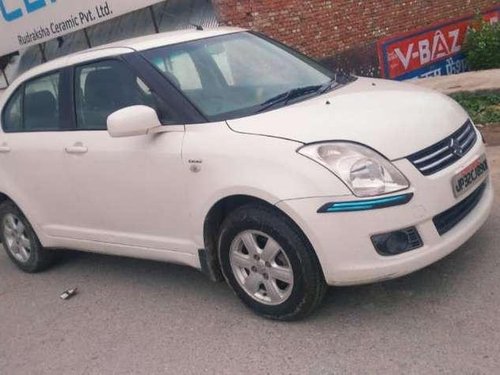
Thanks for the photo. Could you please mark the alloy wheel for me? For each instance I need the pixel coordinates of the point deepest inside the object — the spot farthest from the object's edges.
(261, 267)
(16, 238)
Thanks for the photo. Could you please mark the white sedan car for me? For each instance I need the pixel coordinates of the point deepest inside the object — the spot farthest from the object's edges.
(234, 154)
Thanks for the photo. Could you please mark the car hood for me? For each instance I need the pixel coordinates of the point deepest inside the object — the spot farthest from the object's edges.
(394, 118)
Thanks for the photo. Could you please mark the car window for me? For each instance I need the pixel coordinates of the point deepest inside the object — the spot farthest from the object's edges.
(105, 87)
(180, 69)
(236, 75)
(41, 104)
(13, 114)
(221, 58)
(266, 69)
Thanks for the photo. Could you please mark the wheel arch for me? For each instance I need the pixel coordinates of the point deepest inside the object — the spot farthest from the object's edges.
(4, 198)
(211, 227)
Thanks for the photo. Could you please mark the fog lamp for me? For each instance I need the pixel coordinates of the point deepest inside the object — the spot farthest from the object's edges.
(397, 242)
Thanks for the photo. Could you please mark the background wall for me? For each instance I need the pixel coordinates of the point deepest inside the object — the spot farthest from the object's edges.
(341, 32)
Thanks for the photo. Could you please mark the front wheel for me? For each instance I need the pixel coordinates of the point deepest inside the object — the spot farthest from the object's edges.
(269, 264)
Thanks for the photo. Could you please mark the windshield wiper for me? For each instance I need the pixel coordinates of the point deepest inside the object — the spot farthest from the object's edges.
(289, 95)
(329, 86)
(339, 79)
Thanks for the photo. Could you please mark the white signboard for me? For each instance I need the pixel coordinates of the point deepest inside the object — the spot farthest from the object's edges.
(24, 23)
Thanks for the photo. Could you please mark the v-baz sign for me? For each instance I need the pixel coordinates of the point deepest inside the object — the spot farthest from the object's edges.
(432, 51)
(28, 22)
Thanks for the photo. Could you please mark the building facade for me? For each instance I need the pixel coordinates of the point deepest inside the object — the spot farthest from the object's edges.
(343, 33)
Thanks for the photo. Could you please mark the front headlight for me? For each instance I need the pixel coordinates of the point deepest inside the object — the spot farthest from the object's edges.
(364, 171)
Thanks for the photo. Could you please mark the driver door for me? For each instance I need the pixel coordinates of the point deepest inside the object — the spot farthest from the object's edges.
(128, 192)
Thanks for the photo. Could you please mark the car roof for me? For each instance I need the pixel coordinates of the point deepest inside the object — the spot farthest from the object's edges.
(123, 47)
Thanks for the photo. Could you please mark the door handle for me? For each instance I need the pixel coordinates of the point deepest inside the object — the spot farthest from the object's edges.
(77, 148)
(4, 148)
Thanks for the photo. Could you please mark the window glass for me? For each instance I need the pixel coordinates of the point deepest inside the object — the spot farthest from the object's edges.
(105, 87)
(13, 115)
(222, 60)
(180, 69)
(269, 65)
(237, 74)
(41, 104)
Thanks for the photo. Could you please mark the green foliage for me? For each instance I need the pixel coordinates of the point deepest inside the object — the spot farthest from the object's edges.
(483, 107)
(482, 46)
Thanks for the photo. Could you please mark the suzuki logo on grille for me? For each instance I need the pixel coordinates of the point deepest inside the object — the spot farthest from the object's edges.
(456, 148)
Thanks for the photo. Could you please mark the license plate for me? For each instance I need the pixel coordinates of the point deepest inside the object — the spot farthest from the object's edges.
(470, 176)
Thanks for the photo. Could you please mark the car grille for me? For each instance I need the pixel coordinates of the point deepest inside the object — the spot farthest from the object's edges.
(446, 220)
(446, 152)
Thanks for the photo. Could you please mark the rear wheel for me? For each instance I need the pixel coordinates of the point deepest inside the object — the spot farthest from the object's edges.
(20, 241)
(269, 264)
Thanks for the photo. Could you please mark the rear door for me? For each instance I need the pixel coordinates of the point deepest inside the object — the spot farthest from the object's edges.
(34, 134)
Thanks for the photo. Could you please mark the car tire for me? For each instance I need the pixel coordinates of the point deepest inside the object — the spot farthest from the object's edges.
(269, 263)
(21, 242)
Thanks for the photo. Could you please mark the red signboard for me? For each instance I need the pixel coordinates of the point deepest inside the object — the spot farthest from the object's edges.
(431, 51)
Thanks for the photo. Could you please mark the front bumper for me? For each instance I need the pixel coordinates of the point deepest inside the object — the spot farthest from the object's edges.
(342, 240)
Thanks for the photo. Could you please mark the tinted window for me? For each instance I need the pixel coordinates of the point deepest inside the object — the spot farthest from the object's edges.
(13, 115)
(34, 106)
(105, 87)
(41, 104)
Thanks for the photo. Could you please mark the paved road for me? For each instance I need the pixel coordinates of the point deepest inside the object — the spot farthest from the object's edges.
(140, 317)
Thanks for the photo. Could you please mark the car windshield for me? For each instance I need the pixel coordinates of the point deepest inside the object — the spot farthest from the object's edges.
(239, 74)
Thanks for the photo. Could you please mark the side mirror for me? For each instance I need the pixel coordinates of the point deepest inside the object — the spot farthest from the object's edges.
(132, 121)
